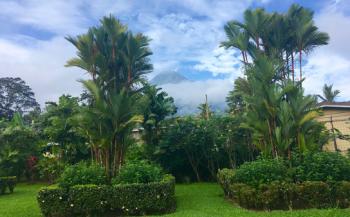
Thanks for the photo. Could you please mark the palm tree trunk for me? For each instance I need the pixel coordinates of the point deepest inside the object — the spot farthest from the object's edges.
(300, 60)
(243, 57)
(129, 76)
(293, 66)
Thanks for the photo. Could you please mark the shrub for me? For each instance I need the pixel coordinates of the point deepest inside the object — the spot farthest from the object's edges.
(225, 178)
(342, 194)
(284, 195)
(138, 172)
(312, 194)
(323, 166)
(7, 182)
(262, 171)
(82, 174)
(107, 200)
(276, 195)
(50, 167)
(247, 196)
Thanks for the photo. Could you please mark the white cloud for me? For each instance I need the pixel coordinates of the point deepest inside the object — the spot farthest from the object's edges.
(188, 95)
(331, 63)
(222, 61)
(42, 67)
(56, 16)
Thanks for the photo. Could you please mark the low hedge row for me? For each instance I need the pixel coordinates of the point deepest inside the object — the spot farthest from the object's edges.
(284, 196)
(7, 183)
(107, 200)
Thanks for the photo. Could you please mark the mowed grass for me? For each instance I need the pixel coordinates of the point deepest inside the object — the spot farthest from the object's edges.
(22, 203)
(195, 200)
(206, 200)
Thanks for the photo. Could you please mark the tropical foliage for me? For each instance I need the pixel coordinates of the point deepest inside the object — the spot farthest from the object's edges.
(117, 60)
(278, 36)
(329, 95)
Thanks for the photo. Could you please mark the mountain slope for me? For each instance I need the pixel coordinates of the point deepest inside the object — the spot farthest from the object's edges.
(168, 78)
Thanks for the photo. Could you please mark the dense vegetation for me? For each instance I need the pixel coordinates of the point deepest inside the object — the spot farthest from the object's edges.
(269, 137)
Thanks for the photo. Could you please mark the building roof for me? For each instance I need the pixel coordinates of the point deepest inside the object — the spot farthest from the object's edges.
(334, 105)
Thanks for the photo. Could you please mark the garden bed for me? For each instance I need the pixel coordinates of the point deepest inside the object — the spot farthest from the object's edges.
(106, 200)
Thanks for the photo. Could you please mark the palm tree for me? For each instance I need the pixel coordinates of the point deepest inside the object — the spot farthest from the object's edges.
(109, 123)
(280, 36)
(237, 39)
(117, 60)
(158, 105)
(306, 34)
(279, 114)
(328, 94)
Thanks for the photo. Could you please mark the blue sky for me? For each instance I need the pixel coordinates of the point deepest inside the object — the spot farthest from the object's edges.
(185, 38)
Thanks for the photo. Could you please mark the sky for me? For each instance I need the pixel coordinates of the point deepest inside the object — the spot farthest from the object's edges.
(185, 38)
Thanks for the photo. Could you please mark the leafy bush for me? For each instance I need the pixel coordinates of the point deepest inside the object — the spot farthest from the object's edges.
(106, 200)
(313, 194)
(82, 174)
(138, 172)
(343, 194)
(226, 178)
(50, 167)
(261, 171)
(284, 195)
(7, 182)
(323, 166)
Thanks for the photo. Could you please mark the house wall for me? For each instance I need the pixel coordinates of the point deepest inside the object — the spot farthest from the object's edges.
(341, 121)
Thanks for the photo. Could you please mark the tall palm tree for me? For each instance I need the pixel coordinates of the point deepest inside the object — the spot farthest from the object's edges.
(110, 122)
(328, 94)
(254, 22)
(237, 39)
(117, 60)
(135, 56)
(306, 34)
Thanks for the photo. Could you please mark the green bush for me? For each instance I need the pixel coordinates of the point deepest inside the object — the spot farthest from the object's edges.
(323, 166)
(261, 171)
(276, 195)
(225, 178)
(342, 194)
(9, 183)
(107, 200)
(82, 174)
(138, 172)
(285, 195)
(313, 194)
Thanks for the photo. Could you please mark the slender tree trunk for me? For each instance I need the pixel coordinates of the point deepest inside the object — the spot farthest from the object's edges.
(293, 67)
(300, 60)
(246, 57)
(334, 136)
(129, 76)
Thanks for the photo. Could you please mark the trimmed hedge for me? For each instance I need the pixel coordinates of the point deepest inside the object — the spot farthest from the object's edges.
(225, 178)
(105, 200)
(284, 195)
(7, 183)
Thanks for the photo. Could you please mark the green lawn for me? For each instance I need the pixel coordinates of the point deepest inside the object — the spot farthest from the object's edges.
(196, 200)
